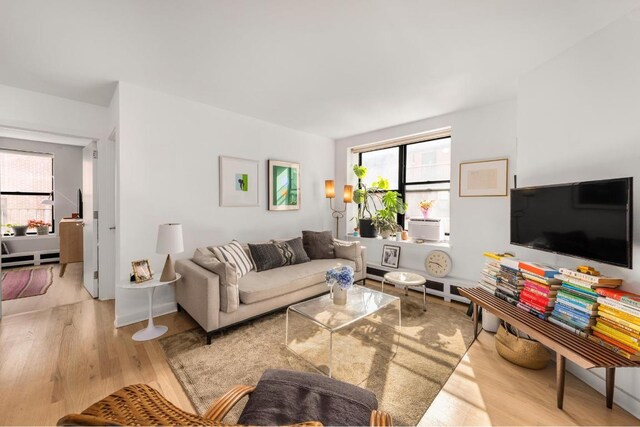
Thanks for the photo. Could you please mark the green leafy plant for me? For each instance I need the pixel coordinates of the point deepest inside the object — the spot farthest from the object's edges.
(385, 219)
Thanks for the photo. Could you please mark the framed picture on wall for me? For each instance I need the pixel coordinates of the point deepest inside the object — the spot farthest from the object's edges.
(484, 178)
(284, 185)
(390, 256)
(239, 182)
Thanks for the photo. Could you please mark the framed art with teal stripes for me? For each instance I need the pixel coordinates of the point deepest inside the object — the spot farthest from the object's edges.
(284, 185)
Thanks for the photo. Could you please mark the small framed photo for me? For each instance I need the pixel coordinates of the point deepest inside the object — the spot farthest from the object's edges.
(284, 185)
(390, 256)
(484, 178)
(238, 182)
(141, 270)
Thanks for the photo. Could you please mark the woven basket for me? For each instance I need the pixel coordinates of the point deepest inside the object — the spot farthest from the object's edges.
(521, 351)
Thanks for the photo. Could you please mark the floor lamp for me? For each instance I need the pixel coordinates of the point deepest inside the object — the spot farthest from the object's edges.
(330, 193)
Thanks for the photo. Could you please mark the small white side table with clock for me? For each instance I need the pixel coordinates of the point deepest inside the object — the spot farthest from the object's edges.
(151, 331)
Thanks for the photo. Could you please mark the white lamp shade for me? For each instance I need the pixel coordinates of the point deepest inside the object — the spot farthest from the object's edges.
(169, 239)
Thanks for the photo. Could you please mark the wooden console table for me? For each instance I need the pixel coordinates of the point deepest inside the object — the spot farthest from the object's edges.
(585, 353)
(71, 242)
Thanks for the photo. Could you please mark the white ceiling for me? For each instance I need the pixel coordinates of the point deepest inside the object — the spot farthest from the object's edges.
(330, 67)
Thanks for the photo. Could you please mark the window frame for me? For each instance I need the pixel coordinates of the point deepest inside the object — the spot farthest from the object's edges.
(402, 171)
(37, 193)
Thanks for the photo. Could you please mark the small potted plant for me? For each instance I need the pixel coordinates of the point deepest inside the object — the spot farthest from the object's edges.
(425, 206)
(41, 226)
(385, 219)
(19, 230)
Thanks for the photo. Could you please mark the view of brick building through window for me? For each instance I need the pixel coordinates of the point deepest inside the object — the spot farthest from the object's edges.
(26, 179)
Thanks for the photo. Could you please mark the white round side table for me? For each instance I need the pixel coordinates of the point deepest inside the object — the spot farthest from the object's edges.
(407, 280)
(151, 331)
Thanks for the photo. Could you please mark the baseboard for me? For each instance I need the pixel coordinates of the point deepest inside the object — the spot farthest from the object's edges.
(138, 316)
(596, 380)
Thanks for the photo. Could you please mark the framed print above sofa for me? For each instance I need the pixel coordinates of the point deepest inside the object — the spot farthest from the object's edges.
(239, 182)
(284, 185)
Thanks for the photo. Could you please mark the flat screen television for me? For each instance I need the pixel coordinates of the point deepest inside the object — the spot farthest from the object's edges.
(590, 220)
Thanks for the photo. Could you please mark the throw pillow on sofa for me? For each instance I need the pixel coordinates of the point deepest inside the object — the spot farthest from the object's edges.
(266, 256)
(318, 244)
(292, 251)
(234, 254)
(348, 250)
(229, 293)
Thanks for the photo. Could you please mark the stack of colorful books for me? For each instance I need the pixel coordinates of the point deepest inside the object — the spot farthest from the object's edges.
(489, 277)
(510, 281)
(538, 296)
(618, 324)
(576, 306)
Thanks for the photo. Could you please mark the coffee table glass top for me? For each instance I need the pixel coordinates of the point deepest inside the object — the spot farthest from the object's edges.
(361, 302)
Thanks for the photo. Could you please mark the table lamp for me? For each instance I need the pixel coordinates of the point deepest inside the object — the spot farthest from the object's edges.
(330, 193)
(169, 242)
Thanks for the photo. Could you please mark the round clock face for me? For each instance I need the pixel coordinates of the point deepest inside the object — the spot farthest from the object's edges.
(438, 263)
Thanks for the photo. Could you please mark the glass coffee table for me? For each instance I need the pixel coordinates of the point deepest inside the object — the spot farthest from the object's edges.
(321, 311)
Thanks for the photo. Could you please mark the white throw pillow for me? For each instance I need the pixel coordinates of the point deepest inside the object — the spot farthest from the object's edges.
(235, 255)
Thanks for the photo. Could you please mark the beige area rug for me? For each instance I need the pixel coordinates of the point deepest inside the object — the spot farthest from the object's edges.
(405, 381)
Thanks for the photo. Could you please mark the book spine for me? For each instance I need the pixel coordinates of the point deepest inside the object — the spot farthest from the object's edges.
(613, 348)
(597, 280)
(578, 321)
(619, 313)
(506, 298)
(614, 342)
(631, 301)
(620, 336)
(582, 292)
(532, 311)
(599, 329)
(537, 299)
(621, 328)
(619, 306)
(616, 319)
(568, 327)
(537, 291)
(575, 302)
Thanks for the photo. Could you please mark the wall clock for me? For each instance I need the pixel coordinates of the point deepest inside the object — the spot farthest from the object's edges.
(438, 263)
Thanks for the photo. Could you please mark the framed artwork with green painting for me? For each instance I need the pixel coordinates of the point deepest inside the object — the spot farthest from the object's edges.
(238, 182)
(284, 185)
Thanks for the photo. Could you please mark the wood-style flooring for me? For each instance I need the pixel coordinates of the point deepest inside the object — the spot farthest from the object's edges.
(63, 359)
(64, 290)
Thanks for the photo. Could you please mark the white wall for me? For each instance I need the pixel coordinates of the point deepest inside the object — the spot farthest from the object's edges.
(67, 172)
(578, 119)
(477, 224)
(168, 162)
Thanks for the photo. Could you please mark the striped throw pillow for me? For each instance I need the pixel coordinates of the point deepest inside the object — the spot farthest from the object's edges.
(234, 254)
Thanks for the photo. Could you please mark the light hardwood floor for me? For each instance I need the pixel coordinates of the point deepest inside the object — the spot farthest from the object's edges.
(63, 290)
(61, 360)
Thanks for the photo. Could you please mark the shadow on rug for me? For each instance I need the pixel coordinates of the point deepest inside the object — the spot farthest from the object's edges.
(405, 381)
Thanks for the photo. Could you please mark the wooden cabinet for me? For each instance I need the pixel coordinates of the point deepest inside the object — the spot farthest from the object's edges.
(71, 242)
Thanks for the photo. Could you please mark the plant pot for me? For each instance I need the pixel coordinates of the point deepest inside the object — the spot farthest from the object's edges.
(340, 295)
(367, 229)
(20, 230)
(43, 231)
(385, 234)
(425, 213)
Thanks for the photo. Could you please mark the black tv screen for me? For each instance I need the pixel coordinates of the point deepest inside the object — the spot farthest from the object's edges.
(590, 220)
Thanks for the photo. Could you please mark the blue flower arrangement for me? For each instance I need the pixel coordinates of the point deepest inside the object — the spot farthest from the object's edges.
(341, 275)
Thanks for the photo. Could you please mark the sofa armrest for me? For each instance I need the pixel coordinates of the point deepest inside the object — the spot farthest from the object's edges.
(198, 292)
(362, 274)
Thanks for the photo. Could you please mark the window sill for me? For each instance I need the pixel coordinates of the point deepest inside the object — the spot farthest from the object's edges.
(442, 244)
(29, 237)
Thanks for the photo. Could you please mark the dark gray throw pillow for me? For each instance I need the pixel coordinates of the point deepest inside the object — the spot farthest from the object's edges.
(292, 251)
(318, 244)
(266, 256)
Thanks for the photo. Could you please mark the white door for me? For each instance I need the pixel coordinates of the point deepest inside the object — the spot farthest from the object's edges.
(89, 206)
(107, 217)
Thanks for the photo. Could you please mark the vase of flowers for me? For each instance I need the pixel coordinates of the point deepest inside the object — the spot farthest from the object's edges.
(340, 278)
(425, 207)
(41, 227)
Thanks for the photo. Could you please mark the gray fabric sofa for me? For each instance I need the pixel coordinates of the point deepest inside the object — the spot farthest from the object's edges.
(199, 290)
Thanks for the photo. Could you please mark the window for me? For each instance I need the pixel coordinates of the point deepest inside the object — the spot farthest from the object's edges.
(26, 179)
(419, 171)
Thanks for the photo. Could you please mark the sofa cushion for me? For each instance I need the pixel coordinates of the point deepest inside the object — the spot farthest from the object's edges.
(318, 244)
(292, 251)
(234, 254)
(259, 286)
(266, 256)
(349, 250)
(229, 296)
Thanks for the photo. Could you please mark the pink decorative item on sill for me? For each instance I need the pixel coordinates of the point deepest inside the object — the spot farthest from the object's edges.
(425, 207)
